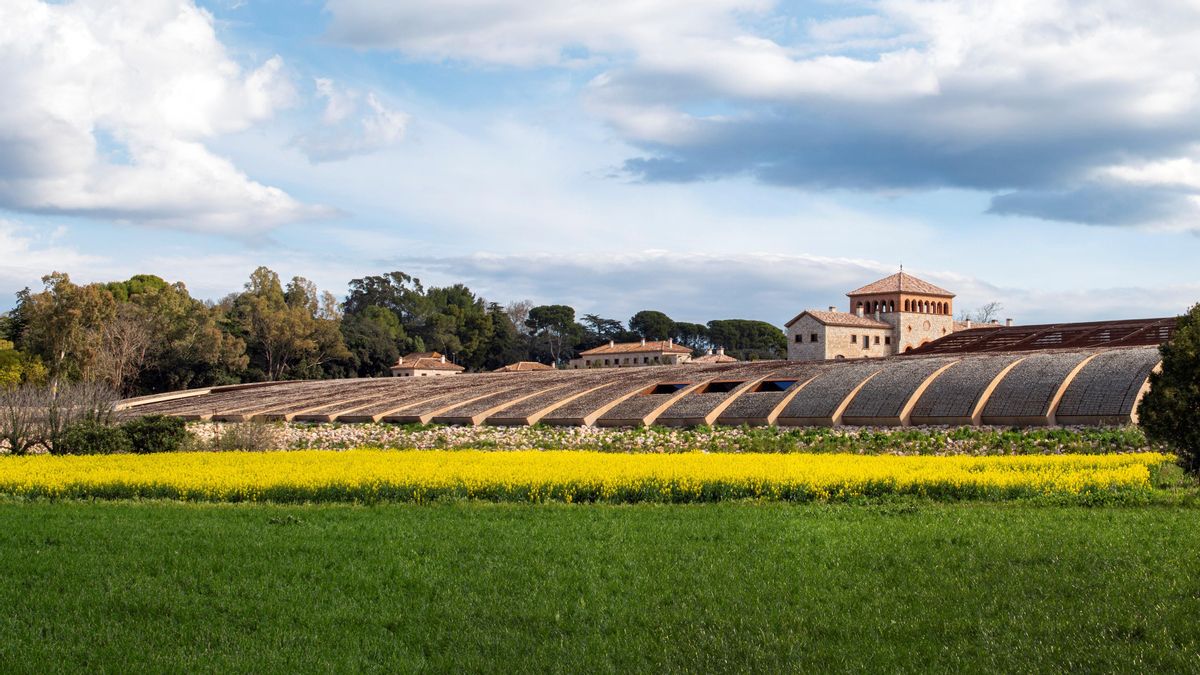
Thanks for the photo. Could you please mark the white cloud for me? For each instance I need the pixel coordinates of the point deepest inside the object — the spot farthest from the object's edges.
(343, 135)
(1030, 95)
(108, 108)
(29, 255)
(520, 33)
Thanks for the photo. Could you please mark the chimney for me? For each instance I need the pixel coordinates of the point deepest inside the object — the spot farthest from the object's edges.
(968, 323)
(643, 342)
(1008, 322)
(832, 308)
(708, 352)
(612, 343)
(720, 351)
(859, 311)
(443, 358)
(670, 342)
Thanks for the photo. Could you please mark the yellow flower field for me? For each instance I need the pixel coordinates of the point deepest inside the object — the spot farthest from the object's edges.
(377, 475)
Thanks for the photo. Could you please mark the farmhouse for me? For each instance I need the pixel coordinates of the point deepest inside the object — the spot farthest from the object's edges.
(424, 364)
(893, 315)
(631, 354)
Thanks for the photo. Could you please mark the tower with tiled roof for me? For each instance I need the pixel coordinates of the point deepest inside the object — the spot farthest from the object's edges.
(893, 315)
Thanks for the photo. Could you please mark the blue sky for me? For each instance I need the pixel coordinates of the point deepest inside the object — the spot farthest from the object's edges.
(734, 158)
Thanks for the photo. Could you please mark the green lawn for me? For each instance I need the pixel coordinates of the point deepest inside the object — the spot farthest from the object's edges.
(120, 586)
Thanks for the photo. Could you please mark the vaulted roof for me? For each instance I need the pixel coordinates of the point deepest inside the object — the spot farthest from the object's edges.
(901, 283)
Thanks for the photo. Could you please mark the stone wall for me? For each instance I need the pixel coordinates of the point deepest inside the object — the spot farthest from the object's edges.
(836, 341)
(914, 330)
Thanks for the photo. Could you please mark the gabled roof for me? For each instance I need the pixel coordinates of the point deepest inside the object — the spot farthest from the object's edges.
(425, 361)
(666, 346)
(522, 366)
(840, 319)
(901, 283)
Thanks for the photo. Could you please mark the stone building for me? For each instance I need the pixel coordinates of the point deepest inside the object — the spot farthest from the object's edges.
(631, 354)
(893, 315)
(424, 364)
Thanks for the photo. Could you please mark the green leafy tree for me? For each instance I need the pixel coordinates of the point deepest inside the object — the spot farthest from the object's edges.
(693, 335)
(597, 330)
(507, 344)
(189, 346)
(397, 292)
(63, 325)
(1170, 412)
(285, 339)
(457, 324)
(652, 325)
(374, 339)
(748, 340)
(17, 368)
(554, 330)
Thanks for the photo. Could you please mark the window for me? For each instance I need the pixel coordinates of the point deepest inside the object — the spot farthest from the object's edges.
(798, 338)
(876, 339)
(719, 387)
(812, 337)
(854, 339)
(645, 359)
(866, 343)
(775, 385)
(887, 339)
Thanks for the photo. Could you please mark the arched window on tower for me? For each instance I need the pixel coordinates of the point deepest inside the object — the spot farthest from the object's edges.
(891, 305)
(908, 305)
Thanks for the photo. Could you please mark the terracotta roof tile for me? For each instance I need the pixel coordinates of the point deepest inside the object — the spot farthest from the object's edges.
(713, 358)
(523, 366)
(631, 347)
(841, 319)
(425, 361)
(901, 283)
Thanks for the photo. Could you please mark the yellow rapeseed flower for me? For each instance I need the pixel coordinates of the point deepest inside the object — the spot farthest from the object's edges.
(571, 476)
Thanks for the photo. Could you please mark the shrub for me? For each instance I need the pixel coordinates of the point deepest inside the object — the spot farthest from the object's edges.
(90, 437)
(20, 418)
(249, 436)
(156, 433)
(1169, 412)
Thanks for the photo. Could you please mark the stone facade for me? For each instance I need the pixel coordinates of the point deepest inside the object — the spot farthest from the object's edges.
(633, 354)
(893, 315)
(811, 339)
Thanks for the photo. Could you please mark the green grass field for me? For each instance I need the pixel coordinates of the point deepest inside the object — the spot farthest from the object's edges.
(901, 586)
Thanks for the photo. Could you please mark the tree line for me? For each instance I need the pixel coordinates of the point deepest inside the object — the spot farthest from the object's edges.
(145, 335)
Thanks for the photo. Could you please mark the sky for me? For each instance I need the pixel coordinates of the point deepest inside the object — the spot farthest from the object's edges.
(719, 159)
